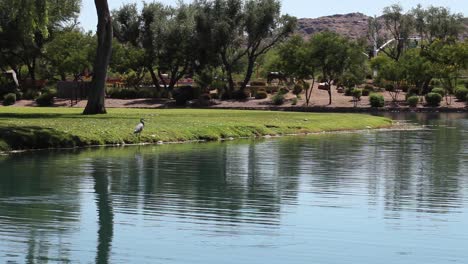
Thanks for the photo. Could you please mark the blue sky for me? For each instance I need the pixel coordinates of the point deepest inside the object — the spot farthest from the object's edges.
(299, 8)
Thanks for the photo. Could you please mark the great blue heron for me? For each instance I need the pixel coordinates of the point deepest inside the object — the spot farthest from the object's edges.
(139, 127)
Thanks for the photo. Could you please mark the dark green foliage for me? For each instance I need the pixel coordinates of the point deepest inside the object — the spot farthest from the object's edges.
(9, 99)
(365, 92)
(6, 85)
(240, 95)
(297, 89)
(30, 94)
(46, 98)
(440, 91)
(413, 100)
(272, 89)
(283, 90)
(433, 99)
(348, 92)
(183, 94)
(278, 99)
(357, 93)
(205, 97)
(376, 100)
(257, 83)
(133, 93)
(461, 93)
(435, 83)
(294, 101)
(389, 87)
(261, 95)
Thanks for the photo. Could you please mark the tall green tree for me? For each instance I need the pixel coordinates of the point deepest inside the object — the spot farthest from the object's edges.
(437, 23)
(70, 53)
(264, 28)
(334, 55)
(175, 45)
(221, 23)
(26, 26)
(96, 95)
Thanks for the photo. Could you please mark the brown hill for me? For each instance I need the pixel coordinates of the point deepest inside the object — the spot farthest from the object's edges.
(353, 25)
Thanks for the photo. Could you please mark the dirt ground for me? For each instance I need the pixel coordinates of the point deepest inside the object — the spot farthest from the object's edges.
(319, 99)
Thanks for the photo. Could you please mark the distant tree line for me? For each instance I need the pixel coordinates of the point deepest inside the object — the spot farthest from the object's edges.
(224, 42)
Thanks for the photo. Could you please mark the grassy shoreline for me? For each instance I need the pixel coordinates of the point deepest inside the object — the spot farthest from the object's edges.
(36, 128)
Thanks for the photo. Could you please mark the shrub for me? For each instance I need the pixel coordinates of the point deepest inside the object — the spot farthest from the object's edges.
(46, 98)
(283, 90)
(30, 94)
(118, 93)
(205, 97)
(183, 94)
(461, 93)
(435, 83)
(239, 95)
(261, 95)
(389, 88)
(9, 99)
(413, 101)
(433, 99)
(357, 93)
(369, 87)
(278, 99)
(294, 101)
(257, 83)
(6, 85)
(365, 92)
(297, 89)
(272, 89)
(440, 91)
(376, 100)
(348, 92)
(404, 88)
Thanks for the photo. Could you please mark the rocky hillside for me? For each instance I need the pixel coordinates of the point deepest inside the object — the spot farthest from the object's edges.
(353, 25)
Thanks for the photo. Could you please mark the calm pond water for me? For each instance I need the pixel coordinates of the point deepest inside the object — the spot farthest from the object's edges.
(376, 197)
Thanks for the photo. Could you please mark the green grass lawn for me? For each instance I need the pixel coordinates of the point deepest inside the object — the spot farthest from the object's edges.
(34, 127)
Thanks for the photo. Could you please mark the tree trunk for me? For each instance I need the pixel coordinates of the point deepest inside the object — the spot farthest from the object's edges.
(329, 93)
(248, 75)
(154, 78)
(97, 92)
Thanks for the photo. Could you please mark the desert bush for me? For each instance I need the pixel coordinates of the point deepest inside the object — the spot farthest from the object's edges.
(348, 92)
(46, 98)
(272, 89)
(461, 93)
(357, 93)
(284, 90)
(297, 89)
(433, 99)
(9, 99)
(413, 100)
(30, 94)
(389, 87)
(261, 95)
(440, 91)
(278, 99)
(257, 83)
(239, 95)
(294, 101)
(376, 100)
(183, 94)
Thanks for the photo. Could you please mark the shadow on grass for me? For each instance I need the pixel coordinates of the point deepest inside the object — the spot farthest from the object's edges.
(58, 116)
(33, 137)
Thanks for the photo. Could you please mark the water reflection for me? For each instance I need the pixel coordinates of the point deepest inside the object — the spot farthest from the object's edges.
(69, 206)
